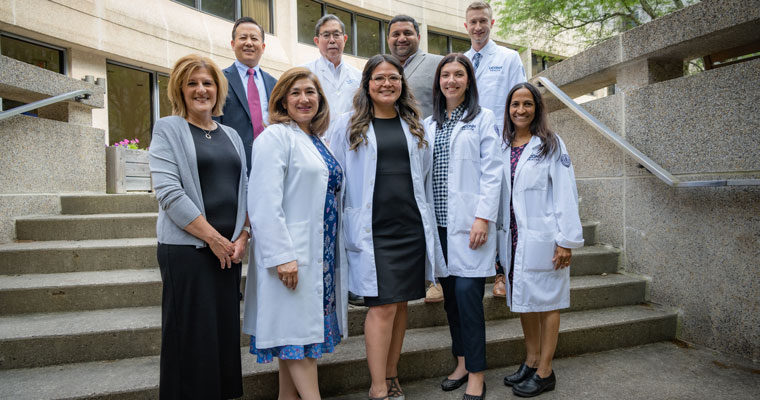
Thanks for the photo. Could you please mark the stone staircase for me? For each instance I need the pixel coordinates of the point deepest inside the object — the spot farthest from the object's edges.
(80, 312)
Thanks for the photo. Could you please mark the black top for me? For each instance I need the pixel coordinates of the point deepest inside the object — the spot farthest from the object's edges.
(219, 172)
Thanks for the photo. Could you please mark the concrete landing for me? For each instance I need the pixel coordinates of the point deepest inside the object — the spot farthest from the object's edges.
(662, 370)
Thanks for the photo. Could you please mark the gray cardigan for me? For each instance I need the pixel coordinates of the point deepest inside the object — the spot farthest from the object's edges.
(174, 169)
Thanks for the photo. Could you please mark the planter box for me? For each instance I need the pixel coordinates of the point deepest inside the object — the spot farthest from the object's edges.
(127, 170)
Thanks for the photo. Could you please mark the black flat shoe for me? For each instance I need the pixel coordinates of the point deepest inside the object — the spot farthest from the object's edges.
(471, 397)
(355, 300)
(522, 373)
(453, 384)
(535, 385)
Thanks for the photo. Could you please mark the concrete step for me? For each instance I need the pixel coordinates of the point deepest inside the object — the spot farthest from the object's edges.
(33, 340)
(590, 228)
(109, 203)
(83, 227)
(74, 291)
(426, 353)
(594, 260)
(77, 255)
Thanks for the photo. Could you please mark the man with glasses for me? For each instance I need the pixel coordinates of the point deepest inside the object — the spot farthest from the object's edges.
(419, 66)
(339, 80)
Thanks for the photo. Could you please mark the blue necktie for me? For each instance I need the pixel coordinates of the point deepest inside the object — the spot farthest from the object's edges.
(476, 60)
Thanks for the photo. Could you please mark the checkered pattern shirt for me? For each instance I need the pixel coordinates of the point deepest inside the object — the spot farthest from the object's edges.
(441, 164)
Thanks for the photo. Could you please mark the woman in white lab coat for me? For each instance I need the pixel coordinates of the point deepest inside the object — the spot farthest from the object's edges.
(389, 228)
(295, 306)
(540, 226)
(466, 183)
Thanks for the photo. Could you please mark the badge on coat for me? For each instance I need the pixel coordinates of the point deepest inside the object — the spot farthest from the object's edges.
(565, 160)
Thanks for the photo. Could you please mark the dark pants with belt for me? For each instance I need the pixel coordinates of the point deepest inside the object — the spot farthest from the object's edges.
(463, 302)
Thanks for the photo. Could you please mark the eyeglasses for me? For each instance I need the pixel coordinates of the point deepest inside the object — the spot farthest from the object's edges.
(380, 79)
(337, 35)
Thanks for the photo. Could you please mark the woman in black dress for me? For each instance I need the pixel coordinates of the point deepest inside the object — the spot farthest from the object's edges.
(390, 238)
(199, 175)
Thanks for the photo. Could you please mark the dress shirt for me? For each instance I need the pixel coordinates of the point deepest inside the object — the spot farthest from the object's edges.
(259, 80)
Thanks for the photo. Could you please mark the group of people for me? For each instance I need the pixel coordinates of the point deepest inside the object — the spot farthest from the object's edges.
(409, 172)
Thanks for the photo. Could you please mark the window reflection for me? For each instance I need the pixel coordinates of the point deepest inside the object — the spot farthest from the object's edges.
(129, 104)
(367, 36)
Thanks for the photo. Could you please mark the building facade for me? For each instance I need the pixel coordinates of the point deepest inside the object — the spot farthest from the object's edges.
(133, 44)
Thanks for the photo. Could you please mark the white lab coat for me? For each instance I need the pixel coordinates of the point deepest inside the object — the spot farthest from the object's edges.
(500, 69)
(545, 200)
(338, 91)
(286, 200)
(474, 181)
(360, 166)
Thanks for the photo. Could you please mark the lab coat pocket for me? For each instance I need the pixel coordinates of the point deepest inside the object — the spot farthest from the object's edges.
(352, 228)
(539, 254)
(462, 211)
(299, 235)
(538, 178)
(466, 146)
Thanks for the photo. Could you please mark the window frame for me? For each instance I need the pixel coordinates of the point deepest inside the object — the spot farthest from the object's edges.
(155, 104)
(238, 11)
(63, 53)
(449, 46)
(353, 37)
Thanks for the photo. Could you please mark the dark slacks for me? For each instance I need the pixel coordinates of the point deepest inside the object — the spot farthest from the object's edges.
(463, 302)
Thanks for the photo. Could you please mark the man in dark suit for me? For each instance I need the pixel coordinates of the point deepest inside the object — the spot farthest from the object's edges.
(419, 67)
(246, 108)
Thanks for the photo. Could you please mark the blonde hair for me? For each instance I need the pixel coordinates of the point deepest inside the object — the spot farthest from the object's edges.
(183, 68)
(279, 115)
(480, 5)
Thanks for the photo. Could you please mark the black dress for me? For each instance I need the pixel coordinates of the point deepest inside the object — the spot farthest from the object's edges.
(397, 232)
(200, 309)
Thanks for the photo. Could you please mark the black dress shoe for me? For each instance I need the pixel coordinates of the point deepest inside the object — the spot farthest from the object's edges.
(453, 384)
(522, 373)
(535, 385)
(471, 397)
(355, 300)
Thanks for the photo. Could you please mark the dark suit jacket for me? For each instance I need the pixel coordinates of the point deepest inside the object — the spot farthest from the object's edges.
(420, 74)
(236, 112)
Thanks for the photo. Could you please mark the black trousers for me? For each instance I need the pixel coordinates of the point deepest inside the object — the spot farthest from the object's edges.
(463, 302)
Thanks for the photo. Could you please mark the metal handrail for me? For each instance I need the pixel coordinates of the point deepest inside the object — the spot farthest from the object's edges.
(77, 95)
(642, 159)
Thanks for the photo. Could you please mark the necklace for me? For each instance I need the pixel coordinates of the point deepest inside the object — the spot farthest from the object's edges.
(207, 132)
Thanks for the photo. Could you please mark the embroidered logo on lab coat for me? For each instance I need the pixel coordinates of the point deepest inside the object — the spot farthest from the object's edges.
(534, 156)
(495, 68)
(469, 127)
(350, 81)
(565, 160)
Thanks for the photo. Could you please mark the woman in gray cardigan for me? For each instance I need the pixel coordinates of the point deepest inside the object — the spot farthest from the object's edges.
(199, 176)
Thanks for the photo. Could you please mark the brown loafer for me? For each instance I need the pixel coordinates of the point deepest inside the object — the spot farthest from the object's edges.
(500, 286)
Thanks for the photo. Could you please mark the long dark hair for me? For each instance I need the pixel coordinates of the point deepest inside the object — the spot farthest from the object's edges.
(364, 109)
(538, 127)
(470, 94)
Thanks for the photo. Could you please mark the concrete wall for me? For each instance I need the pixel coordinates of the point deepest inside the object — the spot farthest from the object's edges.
(698, 246)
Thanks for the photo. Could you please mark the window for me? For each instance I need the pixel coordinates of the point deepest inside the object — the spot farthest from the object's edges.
(541, 63)
(366, 35)
(439, 43)
(260, 10)
(31, 52)
(136, 98)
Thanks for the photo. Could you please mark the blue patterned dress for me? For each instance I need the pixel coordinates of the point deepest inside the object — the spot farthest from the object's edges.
(332, 330)
(514, 157)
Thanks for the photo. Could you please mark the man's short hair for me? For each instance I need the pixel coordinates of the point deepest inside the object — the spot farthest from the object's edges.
(404, 18)
(247, 20)
(324, 19)
(480, 5)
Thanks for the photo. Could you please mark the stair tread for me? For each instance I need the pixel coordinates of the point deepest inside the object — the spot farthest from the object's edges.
(26, 326)
(76, 244)
(103, 377)
(68, 217)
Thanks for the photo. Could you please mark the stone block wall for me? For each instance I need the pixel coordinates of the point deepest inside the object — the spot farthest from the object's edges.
(699, 246)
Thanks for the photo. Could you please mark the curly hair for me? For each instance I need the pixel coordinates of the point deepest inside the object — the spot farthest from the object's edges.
(364, 109)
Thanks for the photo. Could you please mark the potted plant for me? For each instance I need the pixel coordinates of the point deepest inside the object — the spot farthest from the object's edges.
(127, 168)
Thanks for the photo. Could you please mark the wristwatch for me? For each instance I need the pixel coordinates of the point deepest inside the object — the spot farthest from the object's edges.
(247, 229)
